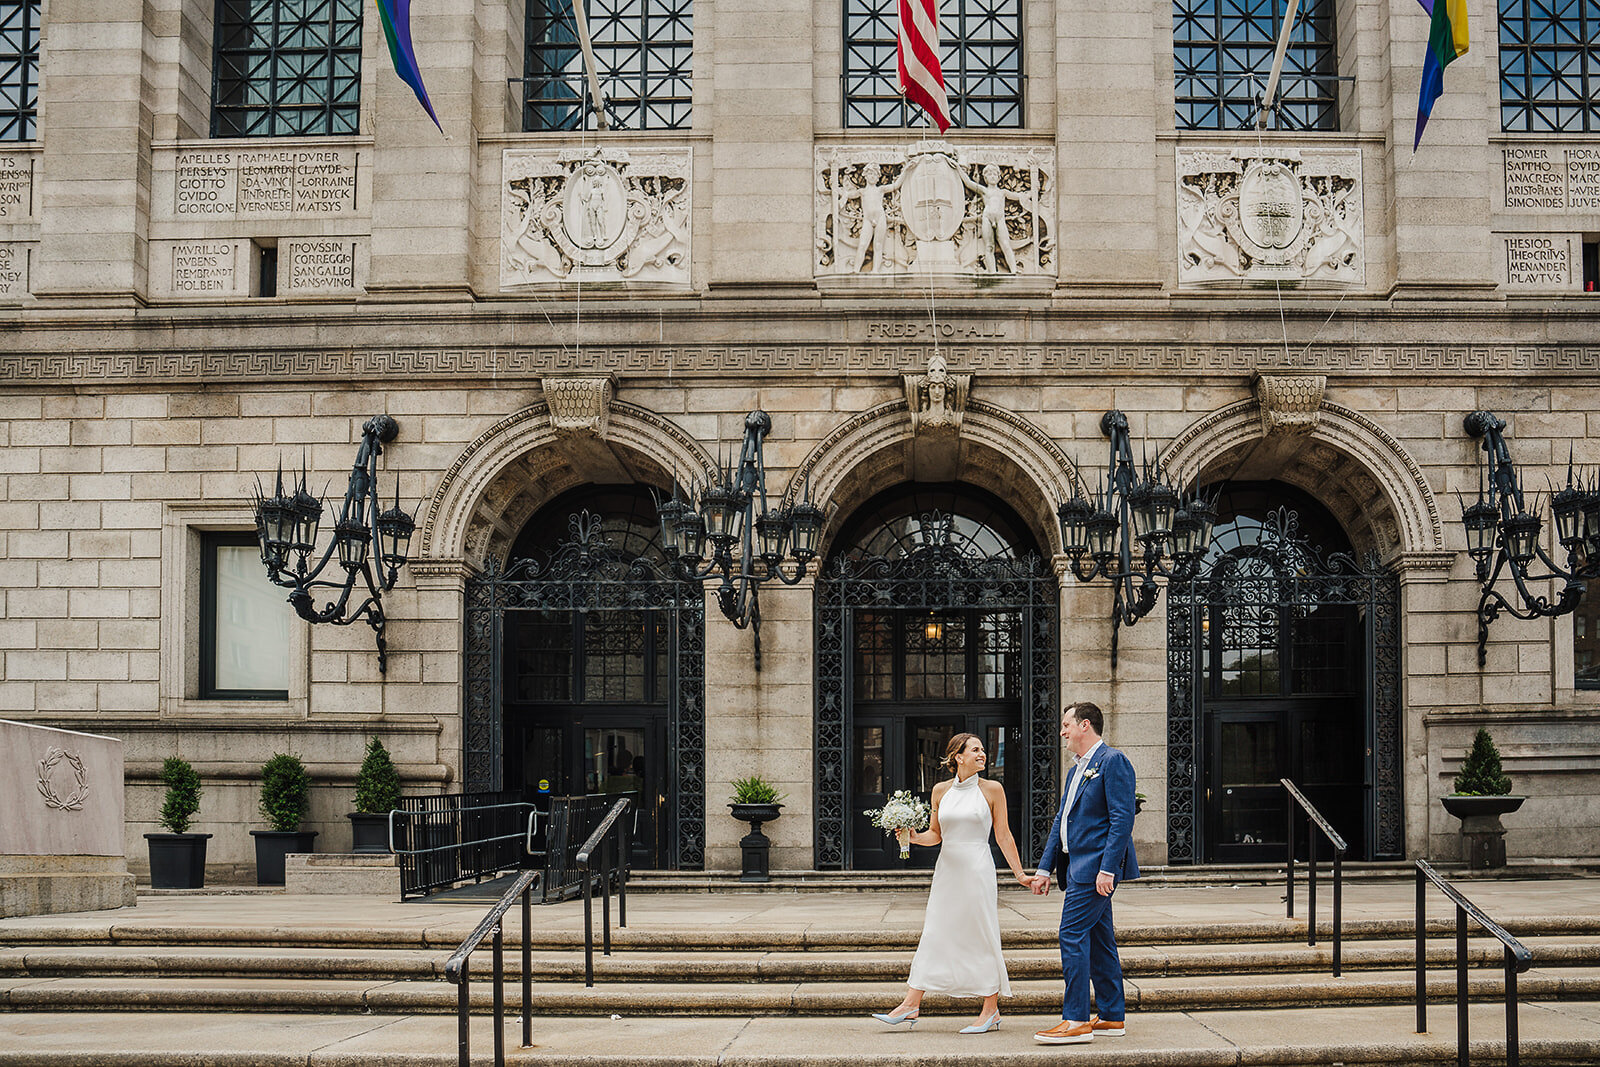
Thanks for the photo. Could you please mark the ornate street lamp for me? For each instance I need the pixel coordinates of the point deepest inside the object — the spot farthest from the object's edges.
(371, 545)
(1171, 531)
(1503, 532)
(774, 544)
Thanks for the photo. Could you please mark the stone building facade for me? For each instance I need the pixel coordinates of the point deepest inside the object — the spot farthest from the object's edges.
(561, 320)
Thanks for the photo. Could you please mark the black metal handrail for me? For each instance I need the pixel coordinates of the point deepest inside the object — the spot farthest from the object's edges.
(443, 839)
(456, 970)
(568, 823)
(1517, 960)
(1315, 820)
(610, 841)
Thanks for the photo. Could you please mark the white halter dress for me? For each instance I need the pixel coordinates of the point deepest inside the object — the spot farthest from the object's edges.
(959, 953)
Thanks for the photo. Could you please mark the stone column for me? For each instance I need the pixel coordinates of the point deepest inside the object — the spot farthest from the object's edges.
(1432, 676)
(761, 124)
(95, 123)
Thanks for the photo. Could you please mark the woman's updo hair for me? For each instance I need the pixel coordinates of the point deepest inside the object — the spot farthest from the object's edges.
(957, 745)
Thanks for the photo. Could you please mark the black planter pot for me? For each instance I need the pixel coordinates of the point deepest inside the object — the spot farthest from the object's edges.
(368, 832)
(177, 861)
(1483, 838)
(755, 847)
(271, 848)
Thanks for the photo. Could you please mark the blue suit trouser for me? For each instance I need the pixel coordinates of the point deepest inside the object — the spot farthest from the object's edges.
(1089, 955)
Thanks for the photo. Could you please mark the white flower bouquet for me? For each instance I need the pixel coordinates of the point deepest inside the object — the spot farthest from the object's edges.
(903, 811)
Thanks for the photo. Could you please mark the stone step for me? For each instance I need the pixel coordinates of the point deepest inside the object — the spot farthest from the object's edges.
(333, 996)
(175, 961)
(1552, 1033)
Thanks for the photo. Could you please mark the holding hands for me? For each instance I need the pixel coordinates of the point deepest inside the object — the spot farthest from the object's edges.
(1039, 884)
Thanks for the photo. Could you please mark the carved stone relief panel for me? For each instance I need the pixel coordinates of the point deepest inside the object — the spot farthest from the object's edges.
(596, 215)
(578, 405)
(937, 398)
(1270, 214)
(935, 207)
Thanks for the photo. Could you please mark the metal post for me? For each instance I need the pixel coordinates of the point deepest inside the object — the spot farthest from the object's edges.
(1288, 893)
(1512, 1053)
(1311, 883)
(527, 966)
(605, 898)
(1338, 917)
(499, 995)
(1422, 948)
(463, 1017)
(588, 929)
(1463, 1052)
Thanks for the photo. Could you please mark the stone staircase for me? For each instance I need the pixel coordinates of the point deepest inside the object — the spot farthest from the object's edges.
(807, 979)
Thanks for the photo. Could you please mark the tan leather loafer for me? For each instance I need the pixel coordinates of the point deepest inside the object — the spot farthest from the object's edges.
(1066, 1033)
(1108, 1027)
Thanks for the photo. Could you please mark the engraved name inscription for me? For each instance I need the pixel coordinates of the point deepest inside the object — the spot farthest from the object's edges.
(16, 188)
(290, 182)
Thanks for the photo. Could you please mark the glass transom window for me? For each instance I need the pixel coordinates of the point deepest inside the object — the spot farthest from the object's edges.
(19, 69)
(287, 68)
(1549, 66)
(1222, 56)
(980, 58)
(643, 52)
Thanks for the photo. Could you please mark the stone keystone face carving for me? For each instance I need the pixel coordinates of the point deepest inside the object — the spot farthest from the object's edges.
(601, 215)
(937, 398)
(1280, 214)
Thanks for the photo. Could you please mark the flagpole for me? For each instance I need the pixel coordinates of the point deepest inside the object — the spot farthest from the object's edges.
(588, 64)
(1277, 63)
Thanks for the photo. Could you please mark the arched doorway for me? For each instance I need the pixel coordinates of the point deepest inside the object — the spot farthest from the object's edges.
(1283, 663)
(586, 670)
(935, 616)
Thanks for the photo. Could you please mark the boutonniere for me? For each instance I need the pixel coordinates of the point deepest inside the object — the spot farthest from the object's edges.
(1092, 772)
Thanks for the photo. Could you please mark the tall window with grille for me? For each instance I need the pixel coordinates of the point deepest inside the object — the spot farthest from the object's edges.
(980, 57)
(19, 69)
(643, 52)
(1222, 55)
(287, 68)
(1549, 66)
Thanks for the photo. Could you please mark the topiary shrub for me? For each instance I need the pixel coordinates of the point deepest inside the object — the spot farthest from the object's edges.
(183, 794)
(377, 783)
(285, 792)
(1480, 775)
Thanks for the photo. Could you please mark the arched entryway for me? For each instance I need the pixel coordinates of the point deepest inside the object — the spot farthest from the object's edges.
(935, 615)
(1283, 662)
(586, 670)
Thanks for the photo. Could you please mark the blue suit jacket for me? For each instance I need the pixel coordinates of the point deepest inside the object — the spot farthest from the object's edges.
(1100, 824)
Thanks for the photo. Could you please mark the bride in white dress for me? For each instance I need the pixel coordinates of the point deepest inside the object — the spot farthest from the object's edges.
(959, 954)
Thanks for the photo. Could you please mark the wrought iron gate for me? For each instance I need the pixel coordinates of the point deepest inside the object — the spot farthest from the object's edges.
(586, 573)
(934, 576)
(1285, 575)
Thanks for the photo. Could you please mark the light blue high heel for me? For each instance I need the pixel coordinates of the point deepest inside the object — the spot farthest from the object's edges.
(909, 1017)
(991, 1023)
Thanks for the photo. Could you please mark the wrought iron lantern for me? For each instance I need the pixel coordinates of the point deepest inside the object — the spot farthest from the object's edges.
(774, 544)
(1136, 528)
(1503, 533)
(371, 545)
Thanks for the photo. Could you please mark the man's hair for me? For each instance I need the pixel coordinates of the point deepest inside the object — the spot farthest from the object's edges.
(1084, 711)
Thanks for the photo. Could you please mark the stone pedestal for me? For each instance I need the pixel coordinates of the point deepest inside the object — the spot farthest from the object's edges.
(359, 873)
(1483, 838)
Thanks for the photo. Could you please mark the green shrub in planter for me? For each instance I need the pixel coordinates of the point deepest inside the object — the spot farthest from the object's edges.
(1480, 775)
(755, 790)
(377, 783)
(285, 792)
(183, 794)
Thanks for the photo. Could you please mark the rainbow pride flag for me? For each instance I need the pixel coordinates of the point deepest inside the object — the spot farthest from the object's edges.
(396, 15)
(1447, 40)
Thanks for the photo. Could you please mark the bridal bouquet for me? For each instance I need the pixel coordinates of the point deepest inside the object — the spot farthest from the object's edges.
(903, 811)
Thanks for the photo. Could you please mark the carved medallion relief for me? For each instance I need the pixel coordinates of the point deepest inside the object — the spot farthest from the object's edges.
(935, 207)
(1283, 214)
(596, 215)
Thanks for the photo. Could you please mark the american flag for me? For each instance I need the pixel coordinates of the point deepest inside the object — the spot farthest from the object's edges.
(920, 77)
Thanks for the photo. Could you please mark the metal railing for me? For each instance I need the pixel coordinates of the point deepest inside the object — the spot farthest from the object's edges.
(456, 969)
(1517, 960)
(1315, 821)
(602, 860)
(569, 823)
(449, 838)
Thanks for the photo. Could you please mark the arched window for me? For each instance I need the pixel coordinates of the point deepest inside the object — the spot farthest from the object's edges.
(981, 61)
(1222, 55)
(287, 69)
(19, 69)
(643, 51)
(1549, 66)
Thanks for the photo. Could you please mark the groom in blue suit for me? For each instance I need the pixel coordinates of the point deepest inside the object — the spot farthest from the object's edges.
(1090, 848)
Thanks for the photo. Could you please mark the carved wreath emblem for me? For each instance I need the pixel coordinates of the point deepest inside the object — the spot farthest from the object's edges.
(80, 788)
